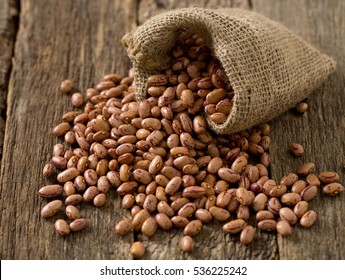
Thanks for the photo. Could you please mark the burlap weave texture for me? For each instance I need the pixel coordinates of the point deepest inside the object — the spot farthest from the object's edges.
(270, 68)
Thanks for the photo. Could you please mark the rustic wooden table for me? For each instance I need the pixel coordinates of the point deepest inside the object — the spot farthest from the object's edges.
(81, 40)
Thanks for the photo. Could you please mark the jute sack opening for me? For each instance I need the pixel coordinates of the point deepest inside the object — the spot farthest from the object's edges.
(269, 67)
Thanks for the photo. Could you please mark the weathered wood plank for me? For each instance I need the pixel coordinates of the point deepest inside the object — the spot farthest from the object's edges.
(8, 18)
(149, 8)
(320, 130)
(212, 243)
(85, 46)
(56, 40)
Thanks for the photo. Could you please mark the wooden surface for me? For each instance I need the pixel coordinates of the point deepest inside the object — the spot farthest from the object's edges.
(81, 40)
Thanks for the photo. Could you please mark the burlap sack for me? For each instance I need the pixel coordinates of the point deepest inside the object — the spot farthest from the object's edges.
(270, 68)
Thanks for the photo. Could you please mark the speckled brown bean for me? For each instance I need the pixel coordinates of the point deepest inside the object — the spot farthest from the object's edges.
(68, 175)
(150, 203)
(68, 188)
(328, 177)
(151, 124)
(268, 186)
(160, 194)
(82, 164)
(223, 199)
(157, 80)
(203, 215)
(50, 191)
(127, 201)
(308, 219)
(139, 219)
(199, 124)
(59, 162)
(144, 109)
(301, 208)
(51, 208)
(72, 212)
(278, 191)
(179, 221)
(290, 199)
(100, 200)
(177, 204)
(242, 212)
(243, 197)
(80, 184)
(301, 107)
(79, 224)
(193, 192)
(313, 180)
(127, 188)
(211, 201)
(114, 178)
(187, 244)
(61, 129)
(102, 167)
(67, 86)
(214, 165)
(124, 172)
(164, 207)
(187, 210)
(268, 225)
(289, 179)
(62, 228)
(90, 193)
(284, 228)
(124, 226)
(260, 202)
(90, 177)
(333, 189)
(149, 227)
(69, 116)
(141, 176)
(73, 199)
(81, 140)
(187, 140)
(234, 226)
(306, 168)
(298, 186)
(77, 99)
(296, 149)
(247, 235)
(264, 215)
(163, 221)
(253, 174)
(137, 250)
(228, 175)
(48, 170)
(193, 228)
(288, 215)
(239, 164)
(219, 214)
(103, 184)
(100, 151)
(309, 193)
(221, 186)
(265, 159)
(155, 165)
(273, 205)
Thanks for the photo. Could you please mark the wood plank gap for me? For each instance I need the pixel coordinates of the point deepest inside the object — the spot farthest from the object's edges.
(9, 22)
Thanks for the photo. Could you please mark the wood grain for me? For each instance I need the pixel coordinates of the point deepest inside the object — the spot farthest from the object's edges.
(79, 40)
(8, 18)
(149, 8)
(320, 130)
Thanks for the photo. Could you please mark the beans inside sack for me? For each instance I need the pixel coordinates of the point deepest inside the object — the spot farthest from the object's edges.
(169, 169)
